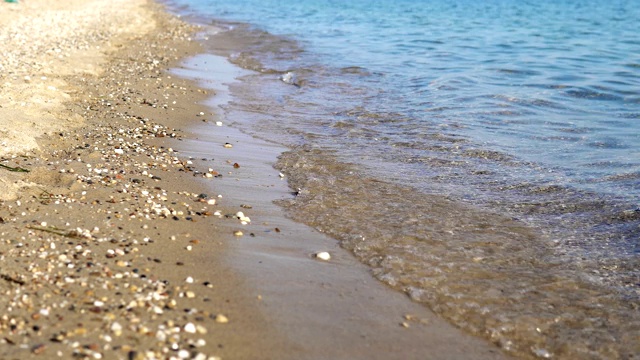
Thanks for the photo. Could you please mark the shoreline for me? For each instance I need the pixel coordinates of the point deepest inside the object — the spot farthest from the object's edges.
(334, 309)
(112, 251)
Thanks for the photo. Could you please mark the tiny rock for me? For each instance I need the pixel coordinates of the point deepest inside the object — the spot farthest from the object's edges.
(116, 328)
(190, 328)
(221, 319)
(323, 255)
(38, 349)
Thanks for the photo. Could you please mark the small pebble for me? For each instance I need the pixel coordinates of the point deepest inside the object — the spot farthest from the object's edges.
(190, 328)
(38, 349)
(221, 319)
(116, 328)
(323, 255)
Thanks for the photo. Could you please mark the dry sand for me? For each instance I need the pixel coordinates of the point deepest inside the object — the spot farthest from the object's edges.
(114, 245)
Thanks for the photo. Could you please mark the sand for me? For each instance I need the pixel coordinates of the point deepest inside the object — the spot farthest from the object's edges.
(118, 214)
(42, 43)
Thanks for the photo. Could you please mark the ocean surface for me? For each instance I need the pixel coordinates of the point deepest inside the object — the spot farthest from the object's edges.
(481, 156)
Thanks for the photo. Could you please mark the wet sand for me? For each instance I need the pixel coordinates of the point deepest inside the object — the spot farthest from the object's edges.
(114, 240)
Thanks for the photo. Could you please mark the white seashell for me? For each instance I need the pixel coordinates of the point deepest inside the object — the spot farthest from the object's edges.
(323, 255)
(116, 328)
(190, 328)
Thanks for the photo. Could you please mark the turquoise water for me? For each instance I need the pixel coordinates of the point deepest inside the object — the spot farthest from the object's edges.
(483, 157)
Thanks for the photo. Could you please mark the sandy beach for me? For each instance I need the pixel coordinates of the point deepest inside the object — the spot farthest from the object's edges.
(133, 227)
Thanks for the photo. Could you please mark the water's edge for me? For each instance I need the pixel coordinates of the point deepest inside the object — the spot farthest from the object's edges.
(494, 270)
(315, 309)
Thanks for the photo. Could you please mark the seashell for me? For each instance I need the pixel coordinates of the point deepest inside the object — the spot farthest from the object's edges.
(323, 255)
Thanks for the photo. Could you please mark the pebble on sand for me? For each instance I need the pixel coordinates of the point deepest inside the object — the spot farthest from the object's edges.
(190, 328)
(322, 255)
(221, 319)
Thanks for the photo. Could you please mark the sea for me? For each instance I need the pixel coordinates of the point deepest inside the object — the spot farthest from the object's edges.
(482, 157)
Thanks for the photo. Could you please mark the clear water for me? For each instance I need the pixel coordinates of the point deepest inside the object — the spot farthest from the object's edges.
(483, 157)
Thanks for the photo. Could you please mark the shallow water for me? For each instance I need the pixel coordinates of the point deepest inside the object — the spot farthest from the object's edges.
(482, 157)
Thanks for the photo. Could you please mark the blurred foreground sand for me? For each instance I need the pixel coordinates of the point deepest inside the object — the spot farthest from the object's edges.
(41, 42)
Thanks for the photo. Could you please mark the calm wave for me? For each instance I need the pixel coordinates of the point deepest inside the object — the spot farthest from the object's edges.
(483, 157)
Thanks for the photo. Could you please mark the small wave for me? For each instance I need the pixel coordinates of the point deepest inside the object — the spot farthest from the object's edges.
(608, 143)
(567, 78)
(571, 139)
(519, 72)
(575, 130)
(634, 176)
(355, 70)
(583, 93)
(487, 155)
